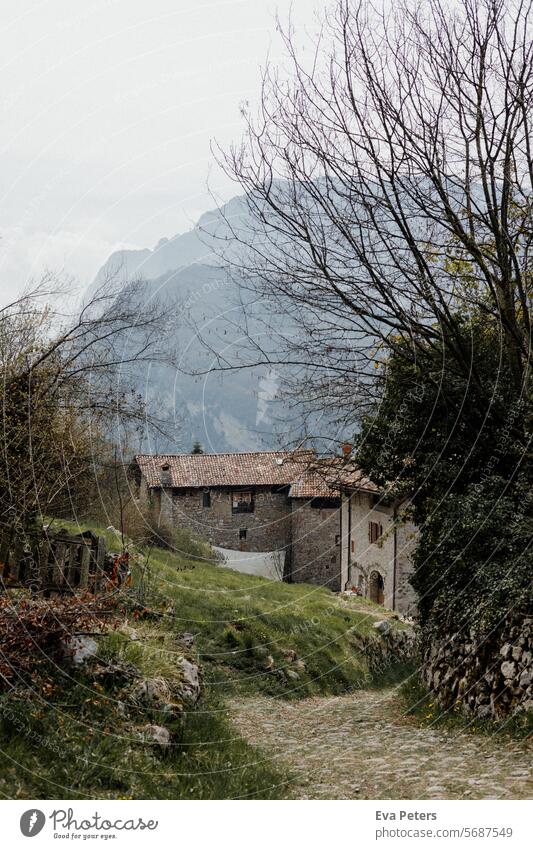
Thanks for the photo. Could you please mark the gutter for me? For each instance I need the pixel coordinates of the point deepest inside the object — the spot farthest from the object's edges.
(394, 555)
(350, 496)
(340, 538)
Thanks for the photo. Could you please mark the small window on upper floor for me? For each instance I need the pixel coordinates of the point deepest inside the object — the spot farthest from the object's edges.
(375, 532)
(242, 502)
(206, 498)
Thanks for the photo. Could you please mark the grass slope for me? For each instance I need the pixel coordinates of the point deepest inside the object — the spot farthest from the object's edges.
(69, 735)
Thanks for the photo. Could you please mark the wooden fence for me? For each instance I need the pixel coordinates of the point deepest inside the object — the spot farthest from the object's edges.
(54, 563)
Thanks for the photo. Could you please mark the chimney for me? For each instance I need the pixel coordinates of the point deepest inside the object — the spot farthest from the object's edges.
(347, 449)
(165, 474)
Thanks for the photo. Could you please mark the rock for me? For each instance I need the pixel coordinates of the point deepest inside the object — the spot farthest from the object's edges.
(269, 663)
(189, 687)
(290, 654)
(517, 652)
(383, 626)
(115, 672)
(526, 678)
(156, 734)
(292, 674)
(508, 669)
(150, 691)
(300, 665)
(187, 639)
(463, 685)
(484, 711)
(80, 649)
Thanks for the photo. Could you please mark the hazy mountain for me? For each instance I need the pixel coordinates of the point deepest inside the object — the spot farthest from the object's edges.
(197, 246)
(231, 411)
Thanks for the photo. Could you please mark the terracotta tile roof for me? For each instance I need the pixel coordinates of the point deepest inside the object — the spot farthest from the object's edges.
(258, 468)
(308, 476)
(324, 477)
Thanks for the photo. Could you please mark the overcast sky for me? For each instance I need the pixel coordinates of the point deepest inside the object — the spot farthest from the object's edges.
(108, 108)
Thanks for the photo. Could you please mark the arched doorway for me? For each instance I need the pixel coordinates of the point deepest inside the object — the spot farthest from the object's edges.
(376, 587)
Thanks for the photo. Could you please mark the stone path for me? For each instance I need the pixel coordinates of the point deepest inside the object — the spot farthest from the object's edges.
(362, 747)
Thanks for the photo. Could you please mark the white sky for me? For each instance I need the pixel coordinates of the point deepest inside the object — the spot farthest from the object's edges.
(107, 110)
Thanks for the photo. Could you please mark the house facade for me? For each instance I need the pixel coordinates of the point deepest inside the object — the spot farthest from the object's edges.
(377, 547)
(327, 522)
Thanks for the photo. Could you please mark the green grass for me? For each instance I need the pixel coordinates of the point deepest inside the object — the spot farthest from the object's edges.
(241, 621)
(69, 736)
(76, 743)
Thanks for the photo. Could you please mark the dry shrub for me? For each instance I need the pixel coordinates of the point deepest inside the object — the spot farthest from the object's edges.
(33, 631)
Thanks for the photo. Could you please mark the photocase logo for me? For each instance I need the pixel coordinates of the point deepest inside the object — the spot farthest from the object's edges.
(32, 822)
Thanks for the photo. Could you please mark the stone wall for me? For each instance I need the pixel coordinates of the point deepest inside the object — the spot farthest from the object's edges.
(315, 545)
(267, 528)
(487, 678)
(389, 647)
(406, 541)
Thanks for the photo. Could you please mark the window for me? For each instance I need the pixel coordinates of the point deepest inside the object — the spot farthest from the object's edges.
(325, 503)
(242, 533)
(280, 489)
(206, 498)
(242, 502)
(337, 539)
(375, 532)
(353, 546)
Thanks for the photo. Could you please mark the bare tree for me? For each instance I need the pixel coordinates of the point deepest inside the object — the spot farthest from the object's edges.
(67, 391)
(389, 179)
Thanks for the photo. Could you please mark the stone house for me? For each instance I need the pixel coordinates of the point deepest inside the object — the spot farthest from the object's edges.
(329, 524)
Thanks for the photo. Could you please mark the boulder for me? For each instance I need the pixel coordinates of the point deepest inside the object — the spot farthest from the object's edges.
(290, 654)
(189, 687)
(150, 691)
(383, 626)
(526, 678)
(156, 734)
(79, 649)
(292, 675)
(117, 672)
(508, 669)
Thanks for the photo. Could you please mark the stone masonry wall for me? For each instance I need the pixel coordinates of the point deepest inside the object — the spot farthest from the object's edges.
(268, 527)
(315, 545)
(406, 542)
(484, 678)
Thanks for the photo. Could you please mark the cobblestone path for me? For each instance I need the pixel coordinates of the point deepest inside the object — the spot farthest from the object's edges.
(362, 747)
